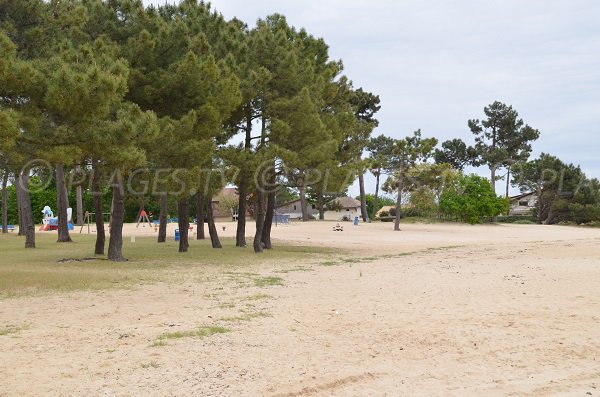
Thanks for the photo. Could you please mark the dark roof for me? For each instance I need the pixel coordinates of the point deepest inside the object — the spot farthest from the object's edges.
(288, 203)
(522, 195)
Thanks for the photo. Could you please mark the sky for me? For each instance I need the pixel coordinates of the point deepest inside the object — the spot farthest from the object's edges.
(437, 64)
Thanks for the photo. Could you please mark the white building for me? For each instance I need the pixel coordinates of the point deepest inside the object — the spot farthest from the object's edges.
(342, 208)
(523, 204)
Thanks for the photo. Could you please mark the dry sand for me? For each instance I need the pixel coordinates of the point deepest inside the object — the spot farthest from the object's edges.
(433, 310)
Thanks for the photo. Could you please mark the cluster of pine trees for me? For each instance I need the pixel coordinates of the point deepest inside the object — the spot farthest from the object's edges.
(107, 87)
(430, 179)
(171, 103)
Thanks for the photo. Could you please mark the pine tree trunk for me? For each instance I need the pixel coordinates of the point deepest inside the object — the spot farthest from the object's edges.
(117, 218)
(399, 201)
(363, 197)
(26, 212)
(507, 188)
(240, 234)
(321, 206)
(493, 177)
(303, 203)
(266, 232)
(212, 228)
(99, 211)
(79, 193)
(260, 219)
(62, 203)
(19, 192)
(493, 182)
(79, 198)
(508, 181)
(200, 216)
(5, 203)
(184, 224)
(162, 218)
(376, 198)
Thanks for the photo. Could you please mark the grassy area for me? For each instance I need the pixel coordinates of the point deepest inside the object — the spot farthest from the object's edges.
(200, 332)
(72, 266)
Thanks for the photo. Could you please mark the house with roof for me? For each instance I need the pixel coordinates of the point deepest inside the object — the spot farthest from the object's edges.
(342, 208)
(523, 204)
(294, 210)
(339, 209)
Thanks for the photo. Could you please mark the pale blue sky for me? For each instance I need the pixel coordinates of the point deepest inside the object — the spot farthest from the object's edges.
(435, 64)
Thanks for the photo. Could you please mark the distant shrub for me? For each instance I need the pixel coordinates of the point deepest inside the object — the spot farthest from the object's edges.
(518, 219)
(471, 198)
(523, 222)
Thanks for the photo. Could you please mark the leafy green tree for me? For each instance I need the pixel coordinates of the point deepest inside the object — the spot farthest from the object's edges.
(425, 183)
(20, 85)
(380, 154)
(366, 105)
(409, 152)
(502, 139)
(517, 142)
(456, 153)
(557, 186)
(471, 198)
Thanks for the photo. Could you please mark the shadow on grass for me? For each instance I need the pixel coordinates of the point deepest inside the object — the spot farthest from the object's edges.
(72, 266)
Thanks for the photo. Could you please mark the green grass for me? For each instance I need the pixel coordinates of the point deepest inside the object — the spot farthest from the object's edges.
(151, 364)
(43, 269)
(246, 317)
(11, 329)
(268, 281)
(201, 332)
(257, 297)
(159, 343)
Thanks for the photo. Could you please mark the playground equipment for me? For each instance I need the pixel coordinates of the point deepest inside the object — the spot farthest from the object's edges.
(143, 217)
(50, 222)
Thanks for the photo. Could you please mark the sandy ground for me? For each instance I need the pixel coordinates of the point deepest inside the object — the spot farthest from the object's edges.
(445, 310)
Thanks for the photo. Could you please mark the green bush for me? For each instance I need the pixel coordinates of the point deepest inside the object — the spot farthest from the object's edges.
(470, 198)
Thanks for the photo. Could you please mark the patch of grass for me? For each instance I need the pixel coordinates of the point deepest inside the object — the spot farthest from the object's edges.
(524, 222)
(38, 271)
(11, 329)
(329, 263)
(159, 343)
(246, 317)
(370, 259)
(257, 297)
(268, 281)
(296, 269)
(201, 332)
(151, 364)
(449, 247)
(226, 306)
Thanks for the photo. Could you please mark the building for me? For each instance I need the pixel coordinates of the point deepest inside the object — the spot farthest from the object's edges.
(294, 210)
(226, 203)
(385, 211)
(523, 204)
(342, 208)
(339, 209)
